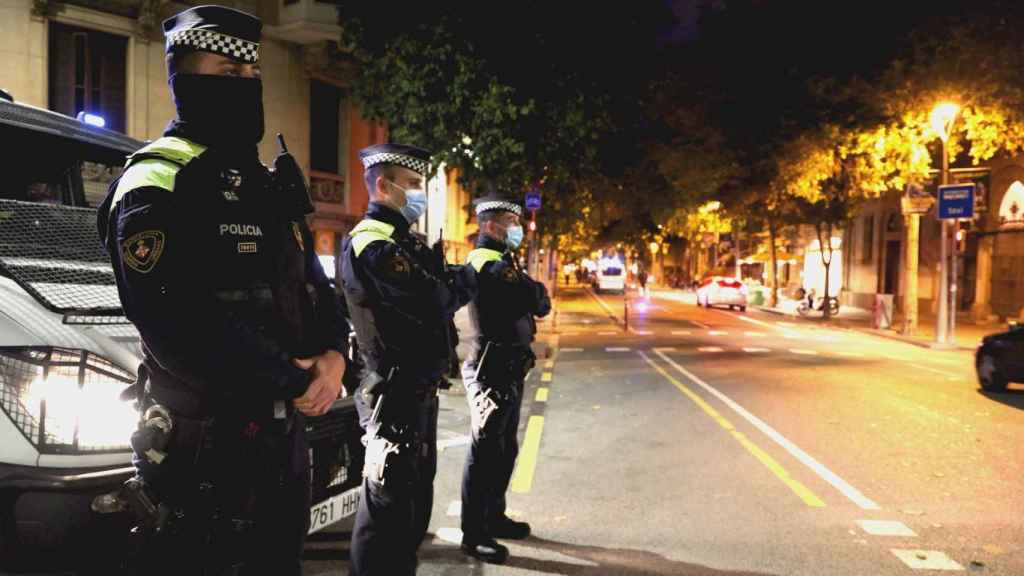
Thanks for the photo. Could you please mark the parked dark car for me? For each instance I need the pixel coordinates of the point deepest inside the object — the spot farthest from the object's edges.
(999, 359)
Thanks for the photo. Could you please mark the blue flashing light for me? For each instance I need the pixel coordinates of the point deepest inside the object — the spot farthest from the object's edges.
(92, 119)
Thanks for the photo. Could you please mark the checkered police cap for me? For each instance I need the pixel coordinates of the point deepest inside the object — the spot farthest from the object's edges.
(411, 157)
(215, 29)
(495, 201)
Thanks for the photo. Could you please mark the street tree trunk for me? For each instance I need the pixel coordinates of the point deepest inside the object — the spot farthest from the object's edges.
(774, 264)
(826, 262)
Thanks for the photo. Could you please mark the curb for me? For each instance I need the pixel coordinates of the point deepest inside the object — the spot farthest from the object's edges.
(854, 327)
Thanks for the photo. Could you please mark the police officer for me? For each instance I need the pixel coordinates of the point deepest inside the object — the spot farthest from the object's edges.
(242, 332)
(401, 297)
(499, 358)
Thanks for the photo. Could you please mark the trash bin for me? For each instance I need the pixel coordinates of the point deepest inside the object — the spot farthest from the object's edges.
(755, 297)
(883, 310)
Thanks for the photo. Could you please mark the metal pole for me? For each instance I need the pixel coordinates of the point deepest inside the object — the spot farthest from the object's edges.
(953, 284)
(942, 318)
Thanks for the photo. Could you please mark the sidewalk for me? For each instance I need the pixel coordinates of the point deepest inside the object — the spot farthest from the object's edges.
(967, 334)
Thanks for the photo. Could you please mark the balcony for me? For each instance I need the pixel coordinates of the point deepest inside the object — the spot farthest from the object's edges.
(306, 21)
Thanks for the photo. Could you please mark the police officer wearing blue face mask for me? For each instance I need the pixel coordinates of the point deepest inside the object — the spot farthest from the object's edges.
(499, 358)
(242, 332)
(401, 297)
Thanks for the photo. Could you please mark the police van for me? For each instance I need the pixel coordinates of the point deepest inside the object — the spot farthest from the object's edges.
(67, 353)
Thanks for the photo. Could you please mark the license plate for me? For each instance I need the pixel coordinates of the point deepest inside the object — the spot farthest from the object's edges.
(333, 509)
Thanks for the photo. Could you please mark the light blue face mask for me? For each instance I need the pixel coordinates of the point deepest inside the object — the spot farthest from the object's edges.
(514, 236)
(415, 203)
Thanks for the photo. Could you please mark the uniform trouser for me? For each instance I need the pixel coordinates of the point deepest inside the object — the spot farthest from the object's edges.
(262, 478)
(393, 517)
(488, 470)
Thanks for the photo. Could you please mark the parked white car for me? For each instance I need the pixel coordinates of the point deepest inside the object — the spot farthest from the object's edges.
(722, 291)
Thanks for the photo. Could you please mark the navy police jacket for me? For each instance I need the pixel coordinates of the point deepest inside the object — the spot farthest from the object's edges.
(224, 288)
(508, 300)
(401, 298)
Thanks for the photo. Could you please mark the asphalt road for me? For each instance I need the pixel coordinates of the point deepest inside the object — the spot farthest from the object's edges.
(714, 442)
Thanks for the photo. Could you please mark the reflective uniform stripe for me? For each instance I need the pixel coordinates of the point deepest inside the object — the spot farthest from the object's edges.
(154, 172)
(173, 148)
(369, 231)
(480, 256)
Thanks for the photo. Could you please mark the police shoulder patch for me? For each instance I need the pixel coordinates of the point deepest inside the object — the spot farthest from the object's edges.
(142, 251)
(508, 274)
(398, 266)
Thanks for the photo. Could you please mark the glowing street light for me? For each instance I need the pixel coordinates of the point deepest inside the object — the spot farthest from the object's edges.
(942, 118)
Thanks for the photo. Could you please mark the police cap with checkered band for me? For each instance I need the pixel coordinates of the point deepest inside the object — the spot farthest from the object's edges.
(495, 201)
(217, 29)
(411, 157)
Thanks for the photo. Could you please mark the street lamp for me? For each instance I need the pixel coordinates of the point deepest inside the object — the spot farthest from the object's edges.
(942, 118)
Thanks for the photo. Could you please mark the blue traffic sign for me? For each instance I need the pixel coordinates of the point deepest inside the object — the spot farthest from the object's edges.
(533, 200)
(956, 201)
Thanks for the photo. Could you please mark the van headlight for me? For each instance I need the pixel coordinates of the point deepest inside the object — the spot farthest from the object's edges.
(66, 401)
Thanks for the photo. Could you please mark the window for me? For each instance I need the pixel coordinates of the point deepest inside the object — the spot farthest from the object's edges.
(868, 240)
(88, 73)
(328, 136)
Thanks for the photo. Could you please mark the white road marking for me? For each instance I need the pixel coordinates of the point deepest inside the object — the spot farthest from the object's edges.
(756, 350)
(665, 349)
(641, 332)
(570, 333)
(603, 305)
(786, 324)
(935, 370)
(699, 324)
(831, 477)
(753, 321)
(708, 349)
(754, 334)
(803, 351)
(615, 349)
(681, 332)
(449, 535)
(570, 349)
(885, 528)
(717, 333)
(455, 508)
(926, 559)
(607, 333)
(792, 336)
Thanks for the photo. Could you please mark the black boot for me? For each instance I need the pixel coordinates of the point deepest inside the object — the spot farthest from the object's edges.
(508, 529)
(485, 549)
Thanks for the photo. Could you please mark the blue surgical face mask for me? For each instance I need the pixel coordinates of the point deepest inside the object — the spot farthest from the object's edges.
(514, 236)
(415, 203)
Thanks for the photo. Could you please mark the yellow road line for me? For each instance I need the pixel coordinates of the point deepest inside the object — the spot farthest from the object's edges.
(522, 480)
(542, 395)
(550, 364)
(805, 493)
(545, 377)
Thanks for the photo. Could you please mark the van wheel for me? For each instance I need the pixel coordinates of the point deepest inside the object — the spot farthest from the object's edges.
(743, 308)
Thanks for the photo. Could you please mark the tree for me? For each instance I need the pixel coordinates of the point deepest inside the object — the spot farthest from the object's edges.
(519, 94)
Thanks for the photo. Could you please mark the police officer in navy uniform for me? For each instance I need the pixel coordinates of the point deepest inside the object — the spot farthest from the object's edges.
(401, 297)
(499, 358)
(242, 332)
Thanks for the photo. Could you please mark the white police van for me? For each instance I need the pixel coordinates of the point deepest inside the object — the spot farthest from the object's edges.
(67, 353)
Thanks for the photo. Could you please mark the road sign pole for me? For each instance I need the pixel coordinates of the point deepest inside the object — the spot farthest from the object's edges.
(942, 319)
(953, 283)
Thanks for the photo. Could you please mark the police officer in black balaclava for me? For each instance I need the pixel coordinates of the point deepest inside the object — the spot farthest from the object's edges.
(242, 333)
